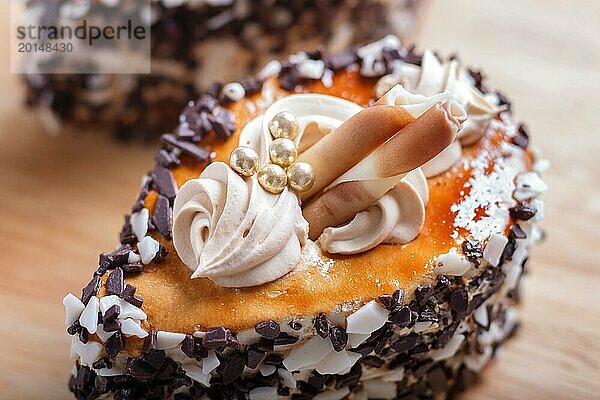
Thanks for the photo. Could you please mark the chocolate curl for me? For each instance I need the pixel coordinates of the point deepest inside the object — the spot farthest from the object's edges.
(362, 185)
(352, 141)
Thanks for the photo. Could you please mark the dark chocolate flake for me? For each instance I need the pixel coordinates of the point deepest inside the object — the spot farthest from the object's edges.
(423, 293)
(91, 289)
(521, 137)
(150, 342)
(112, 325)
(112, 313)
(405, 343)
(403, 317)
(115, 283)
(233, 366)
(133, 268)
(284, 339)
(139, 369)
(188, 346)
(191, 149)
(222, 121)
(129, 296)
(161, 216)
(160, 254)
(115, 344)
(516, 232)
(522, 211)
(459, 301)
(473, 250)
(268, 329)
(338, 337)
(322, 325)
(166, 158)
(254, 356)
(215, 338)
(164, 182)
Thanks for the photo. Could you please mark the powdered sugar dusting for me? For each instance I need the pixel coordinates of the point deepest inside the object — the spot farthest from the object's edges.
(484, 210)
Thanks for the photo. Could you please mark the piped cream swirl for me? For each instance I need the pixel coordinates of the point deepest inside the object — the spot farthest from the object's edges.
(396, 218)
(231, 230)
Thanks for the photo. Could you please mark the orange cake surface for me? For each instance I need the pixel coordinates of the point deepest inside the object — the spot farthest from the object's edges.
(176, 303)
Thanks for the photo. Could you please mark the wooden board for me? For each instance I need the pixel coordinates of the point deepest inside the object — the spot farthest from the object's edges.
(62, 201)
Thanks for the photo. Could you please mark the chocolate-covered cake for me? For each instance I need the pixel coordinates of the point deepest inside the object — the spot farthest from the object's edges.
(355, 226)
(191, 42)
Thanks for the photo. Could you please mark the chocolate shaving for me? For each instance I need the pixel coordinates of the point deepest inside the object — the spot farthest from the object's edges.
(115, 283)
(267, 329)
(338, 338)
(473, 251)
(191, 149)
(522, 211)
(521, 138)
(166, 158)
(133, 267)
(164, 182)
(91, 289)
(322, 325)
(112, 313)
(115, 344)
(161, 216)
(112, 325)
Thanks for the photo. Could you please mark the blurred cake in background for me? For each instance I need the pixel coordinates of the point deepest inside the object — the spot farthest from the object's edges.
(191, 42)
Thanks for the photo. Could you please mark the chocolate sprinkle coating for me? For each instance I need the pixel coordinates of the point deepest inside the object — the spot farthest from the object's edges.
(268, 329)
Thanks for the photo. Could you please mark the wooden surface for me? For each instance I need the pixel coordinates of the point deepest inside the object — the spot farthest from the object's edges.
(62, 201)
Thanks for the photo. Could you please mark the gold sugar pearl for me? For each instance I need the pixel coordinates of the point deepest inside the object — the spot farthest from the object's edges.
(301, 177)
(283, 152)
(284, 125)
(244, 161)
(272, 178)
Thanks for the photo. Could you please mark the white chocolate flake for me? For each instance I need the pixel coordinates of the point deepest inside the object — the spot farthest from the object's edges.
(367, 319)
(73, 308)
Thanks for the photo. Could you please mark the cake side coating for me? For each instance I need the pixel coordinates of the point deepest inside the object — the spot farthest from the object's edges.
(401, 298)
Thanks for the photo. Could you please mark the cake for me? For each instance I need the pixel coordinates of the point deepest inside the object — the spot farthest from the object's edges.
(357, 233)
(190, 42)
